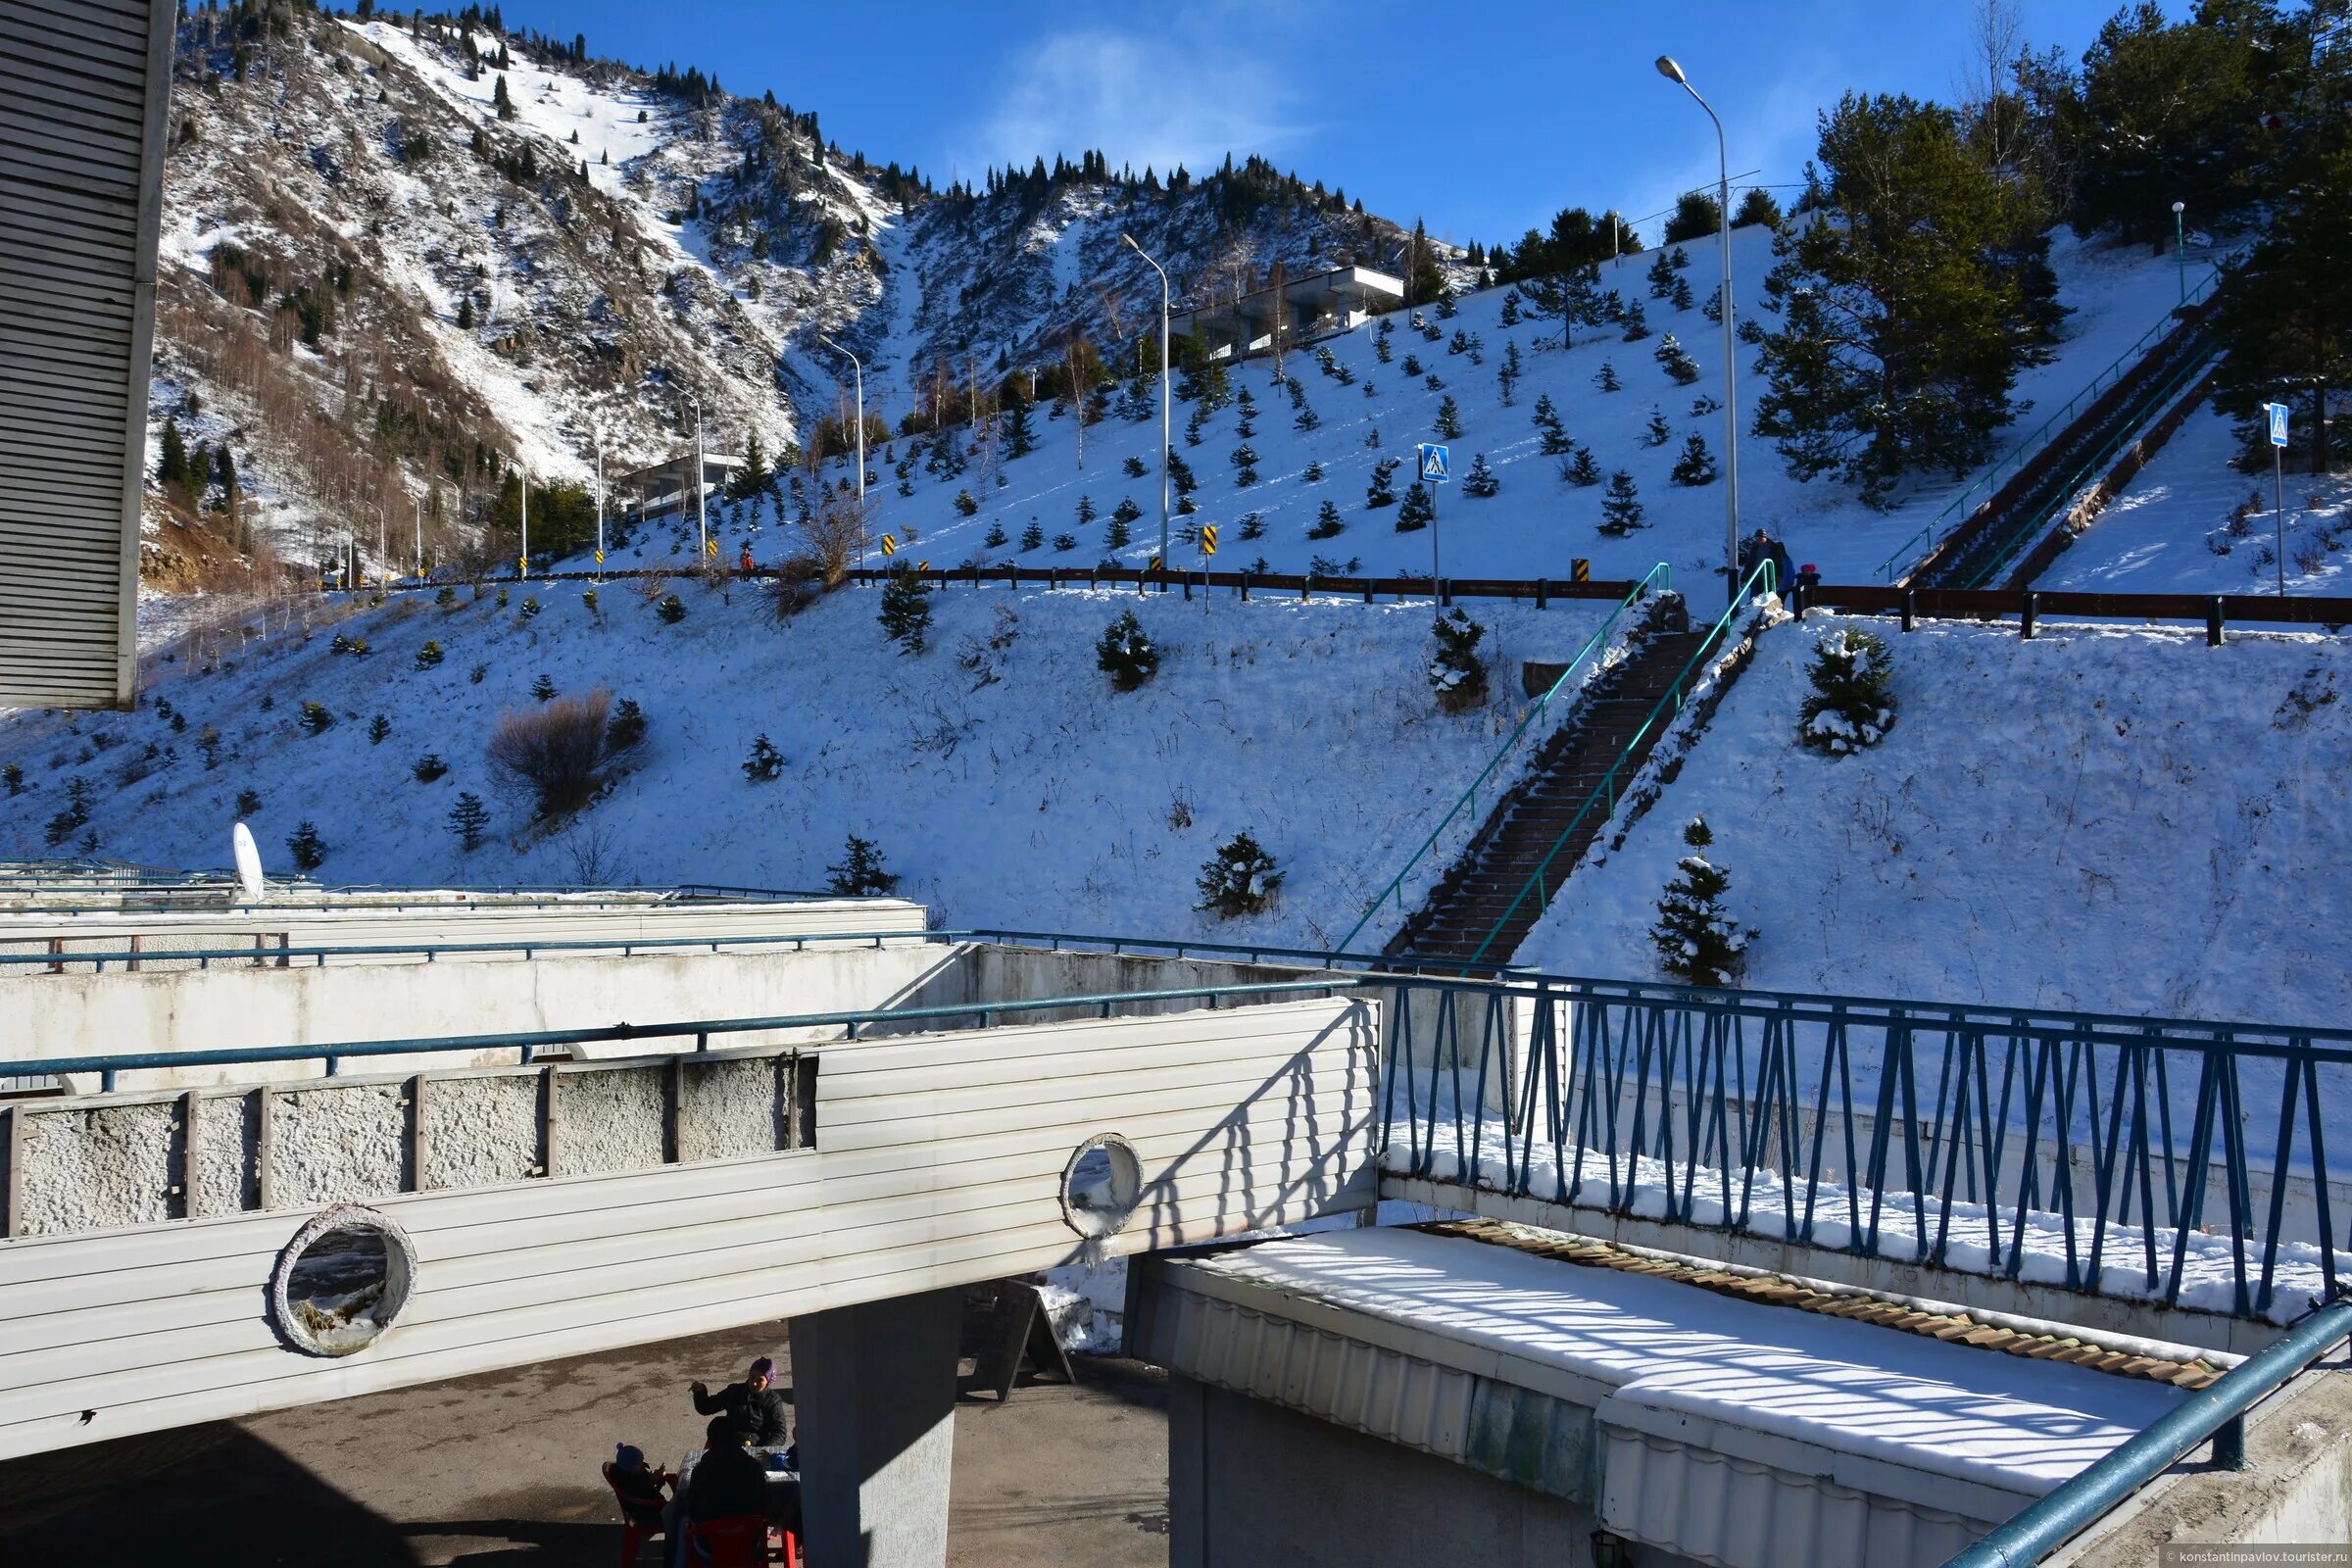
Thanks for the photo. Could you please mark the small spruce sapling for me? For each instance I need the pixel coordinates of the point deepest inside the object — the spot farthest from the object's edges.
(543, 688)
(1449, 422)
(625, 730)
(466, 819)
(1696, 941)
(1456, 673)
(317, 719)
(1480, 482)
(1327, 523)
(1240, 879)
(306, 845)
(1033, 536)
(1657, 433)
(1312, 474)
(965, 506)
(1382, 492)
(906, 613)
(766, 762)
(1697, 465)
(377, 728)
(672, 609)
(1126, 654)
(860, 873)
(1606, 377)
(1851, 707)
(428, 767)
(249, 803)
(428, 657)
(1418, 511)
(1620, 509)
(993, 539)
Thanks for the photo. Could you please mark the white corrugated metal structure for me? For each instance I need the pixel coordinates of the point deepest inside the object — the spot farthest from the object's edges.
(85, 91)
(938, 1160)
(1726, 1431)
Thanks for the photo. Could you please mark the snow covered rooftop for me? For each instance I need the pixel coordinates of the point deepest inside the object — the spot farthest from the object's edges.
(1656, 1356)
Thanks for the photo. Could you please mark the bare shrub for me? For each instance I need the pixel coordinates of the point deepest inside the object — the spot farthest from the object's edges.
(836, 534)
(559, 751)
(798, 583)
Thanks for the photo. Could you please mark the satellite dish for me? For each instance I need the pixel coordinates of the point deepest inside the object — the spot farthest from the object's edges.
(249, 863)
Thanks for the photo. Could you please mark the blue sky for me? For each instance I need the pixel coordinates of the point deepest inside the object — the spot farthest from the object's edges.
(1483, 119)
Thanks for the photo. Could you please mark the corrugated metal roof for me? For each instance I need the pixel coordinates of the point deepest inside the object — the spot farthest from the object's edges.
(85, 93)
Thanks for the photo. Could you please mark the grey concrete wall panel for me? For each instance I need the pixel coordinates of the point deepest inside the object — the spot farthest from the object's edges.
(83, 120)
(878, 1382)
(480, 1130)
(606, 1119)
(938, 1162)
(728, 1109)
(348, 1144)
(103, 1166)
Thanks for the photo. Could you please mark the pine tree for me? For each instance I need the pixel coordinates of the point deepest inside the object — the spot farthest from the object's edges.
(171, 466)
(1118, 536)
(1620, 510)
(428, 767)
(1660, 276)
(1582, 471)
(1125, 652)
(1456, 673)
(1676, 360)
(766, 762)
(1086, 510)
(993, 539)
(1418, 509)
(1697, 465)
(1240, 879)
(1850, 706)
(1126, 511)
(1480, 482)
(906, 613)
(1033, 536)
(499, 99)
(1656, 433)
(1554, 436)
(1506, 374)
(1696, 941)
(1019, 439)
(1449, 422)
(1606, 378)
(306, 846)
(1327, 523)
(1312, 474)
(1636, 322)
(860, 873)
(543, 688)
(1382, 492)
(377, 728)
(1680, 296)
(1510, 309)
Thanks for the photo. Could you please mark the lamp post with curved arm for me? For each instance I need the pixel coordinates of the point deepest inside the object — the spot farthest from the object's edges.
(1165, 427)
(858, 368)
(1731, 391)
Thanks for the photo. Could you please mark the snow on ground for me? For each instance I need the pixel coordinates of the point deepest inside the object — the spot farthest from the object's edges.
(2176, 527)
(2107, 819)
(1916, 1402)
(1537, 523)
(999, 772)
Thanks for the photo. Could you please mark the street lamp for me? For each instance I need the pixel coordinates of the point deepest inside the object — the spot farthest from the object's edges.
(596, 433)
(702, 504)
(1731, 391)
(858, 368)
(1166, 443)
(2181, 250)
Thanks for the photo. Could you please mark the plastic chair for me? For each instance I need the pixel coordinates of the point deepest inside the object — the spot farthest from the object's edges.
(634, 1536)
(739, 1541)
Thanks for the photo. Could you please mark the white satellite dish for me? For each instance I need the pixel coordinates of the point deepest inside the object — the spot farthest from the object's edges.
(249, 863)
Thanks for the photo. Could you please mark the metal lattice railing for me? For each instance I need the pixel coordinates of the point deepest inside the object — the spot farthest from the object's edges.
(2162, 1160)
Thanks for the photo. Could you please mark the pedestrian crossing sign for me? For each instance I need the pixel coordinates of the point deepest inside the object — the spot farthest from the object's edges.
(1435, 462)
(2277, 413)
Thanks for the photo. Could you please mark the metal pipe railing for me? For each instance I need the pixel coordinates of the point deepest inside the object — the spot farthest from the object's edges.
(1659, 579)
(2217, 1411)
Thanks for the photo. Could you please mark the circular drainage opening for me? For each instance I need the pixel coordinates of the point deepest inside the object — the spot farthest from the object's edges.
(341, 1281)
(1101, 1186)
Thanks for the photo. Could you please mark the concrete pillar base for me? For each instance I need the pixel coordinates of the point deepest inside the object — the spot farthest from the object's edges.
(874, 1388)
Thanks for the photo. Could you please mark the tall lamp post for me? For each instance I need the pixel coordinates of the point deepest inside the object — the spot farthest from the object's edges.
(1165, 426)
(596, 433)
(1731, 387)
(2181, 250)
(701, 501)
(857, 370)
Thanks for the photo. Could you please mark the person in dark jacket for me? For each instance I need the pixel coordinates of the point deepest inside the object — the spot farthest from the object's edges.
(755, 1404)
(642, 1490)
(726, 1482)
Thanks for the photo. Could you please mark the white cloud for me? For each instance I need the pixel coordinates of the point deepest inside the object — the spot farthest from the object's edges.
(1188, 93)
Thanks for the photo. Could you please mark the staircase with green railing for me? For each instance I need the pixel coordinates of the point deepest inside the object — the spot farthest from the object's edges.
(1537, 727)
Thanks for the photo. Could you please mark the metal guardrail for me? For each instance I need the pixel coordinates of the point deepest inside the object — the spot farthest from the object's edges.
(2217, 1411)
(1801, 1117)
(1605, 793)
(1905, 555)
(1660, 579)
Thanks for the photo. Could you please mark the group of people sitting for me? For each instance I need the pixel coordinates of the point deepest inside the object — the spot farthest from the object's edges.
(745, 1441)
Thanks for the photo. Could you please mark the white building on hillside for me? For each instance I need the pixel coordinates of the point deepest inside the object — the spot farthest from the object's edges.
(1307, 308)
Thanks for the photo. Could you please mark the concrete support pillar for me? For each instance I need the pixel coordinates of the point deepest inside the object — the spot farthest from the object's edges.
(874, 1389)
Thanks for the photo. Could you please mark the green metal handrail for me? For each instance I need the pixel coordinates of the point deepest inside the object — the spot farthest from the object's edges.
(2024, 450)
(1659, 579)
(2106, 454)
(1759, 580)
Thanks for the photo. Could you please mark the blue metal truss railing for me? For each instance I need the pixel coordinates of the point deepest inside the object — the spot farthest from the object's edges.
(2086, 1150)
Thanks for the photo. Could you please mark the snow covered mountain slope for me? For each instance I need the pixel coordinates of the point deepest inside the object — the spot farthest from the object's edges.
(1344, 408)
(2190, 523)
(998, 771)
(397, 256)
(2114, 820)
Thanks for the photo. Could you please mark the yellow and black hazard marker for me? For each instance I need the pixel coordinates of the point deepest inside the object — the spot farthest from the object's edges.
(890, 543)
(1208, 538)
(1579, 570)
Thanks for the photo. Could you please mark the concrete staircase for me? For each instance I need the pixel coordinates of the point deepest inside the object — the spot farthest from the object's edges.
(1525, 826)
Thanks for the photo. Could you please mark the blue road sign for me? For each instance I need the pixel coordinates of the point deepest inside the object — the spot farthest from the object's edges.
(1433, 461)
(2278, 425)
